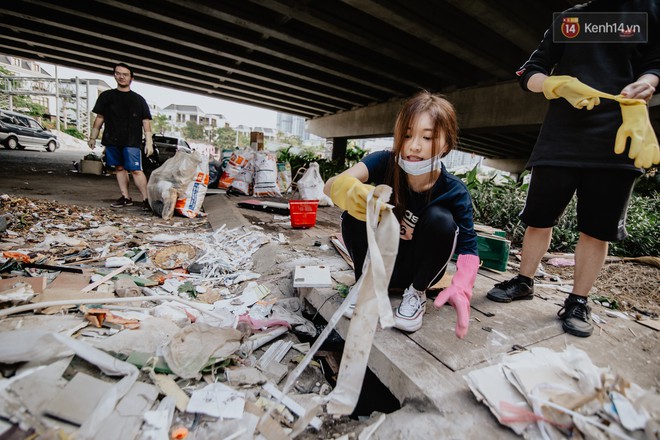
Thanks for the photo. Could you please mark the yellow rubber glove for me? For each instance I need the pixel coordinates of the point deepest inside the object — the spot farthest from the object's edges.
(578, 94)
(637, 126)
(148, 144)
(350, 194)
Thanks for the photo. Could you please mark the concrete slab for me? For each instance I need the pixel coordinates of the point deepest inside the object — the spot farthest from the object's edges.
(221, 212)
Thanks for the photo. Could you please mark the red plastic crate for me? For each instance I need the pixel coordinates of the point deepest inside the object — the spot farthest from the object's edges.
(303, 213)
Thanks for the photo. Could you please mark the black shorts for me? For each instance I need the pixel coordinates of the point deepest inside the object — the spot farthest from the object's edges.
(602, 199)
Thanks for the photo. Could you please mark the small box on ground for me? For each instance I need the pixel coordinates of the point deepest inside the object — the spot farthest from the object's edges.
(91, 167)
(257, 140)
(493, 251)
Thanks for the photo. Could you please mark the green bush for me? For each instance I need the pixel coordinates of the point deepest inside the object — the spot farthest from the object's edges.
(327, 167)
(648, 183)
(498, 205)
(643, 228)
(73, 131)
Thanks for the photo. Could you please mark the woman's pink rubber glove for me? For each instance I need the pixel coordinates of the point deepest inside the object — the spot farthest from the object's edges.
(460, 292)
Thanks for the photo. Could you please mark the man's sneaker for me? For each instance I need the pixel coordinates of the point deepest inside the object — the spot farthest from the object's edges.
(146, 206)
(408, 316)
(121, 202)
(516, 288)
(576, 316)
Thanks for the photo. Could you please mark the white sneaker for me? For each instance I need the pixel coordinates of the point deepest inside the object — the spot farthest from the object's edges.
(348, 313)
(408, 316)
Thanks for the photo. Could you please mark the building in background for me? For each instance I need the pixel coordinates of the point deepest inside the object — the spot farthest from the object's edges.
(179, 115)
(295, 126)
(72, 99)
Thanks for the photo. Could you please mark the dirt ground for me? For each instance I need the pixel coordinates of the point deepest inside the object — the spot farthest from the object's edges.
(627, 286)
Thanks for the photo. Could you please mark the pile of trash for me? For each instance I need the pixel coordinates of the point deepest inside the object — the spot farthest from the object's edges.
(258, 174)
(125, 327)
(542, 394)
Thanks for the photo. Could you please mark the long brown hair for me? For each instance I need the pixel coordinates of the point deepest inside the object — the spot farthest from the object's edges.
(444, 120)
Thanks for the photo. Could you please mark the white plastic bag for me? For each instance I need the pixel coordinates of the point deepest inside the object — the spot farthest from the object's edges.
(311, 186)
(170, 181)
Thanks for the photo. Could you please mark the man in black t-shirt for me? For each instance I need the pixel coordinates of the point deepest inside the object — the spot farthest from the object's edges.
(580, 145)
(125, 114)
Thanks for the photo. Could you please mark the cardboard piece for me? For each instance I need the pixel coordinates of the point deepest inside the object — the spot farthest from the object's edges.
(66, 286)
(338, 242)
(257, 140)
(126, 419)
(38, 283)
(67, 282)
(91, 167)
(78, 399)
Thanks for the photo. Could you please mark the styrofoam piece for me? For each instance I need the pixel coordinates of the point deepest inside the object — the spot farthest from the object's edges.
(312, 276)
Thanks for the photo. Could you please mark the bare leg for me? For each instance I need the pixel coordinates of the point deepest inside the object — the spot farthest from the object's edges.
(140, 181)
(122, 181)
(535, 245)
(590, 255)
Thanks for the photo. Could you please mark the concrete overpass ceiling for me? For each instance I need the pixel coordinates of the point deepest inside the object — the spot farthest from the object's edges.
(311, 58)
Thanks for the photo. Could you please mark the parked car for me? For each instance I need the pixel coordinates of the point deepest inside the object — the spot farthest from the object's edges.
(167, 146)
(19, 131)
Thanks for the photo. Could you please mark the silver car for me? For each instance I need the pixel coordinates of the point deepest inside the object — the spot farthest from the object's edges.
(20, 131)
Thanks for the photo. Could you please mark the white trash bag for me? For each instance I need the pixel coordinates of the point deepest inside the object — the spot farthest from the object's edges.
(311, 186)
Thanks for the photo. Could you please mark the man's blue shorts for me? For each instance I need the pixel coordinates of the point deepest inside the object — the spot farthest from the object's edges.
(128, 157)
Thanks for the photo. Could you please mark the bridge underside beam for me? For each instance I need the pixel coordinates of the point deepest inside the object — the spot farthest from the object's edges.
(495, 121)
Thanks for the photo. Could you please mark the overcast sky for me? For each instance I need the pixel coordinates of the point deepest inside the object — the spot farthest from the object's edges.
(236, 114)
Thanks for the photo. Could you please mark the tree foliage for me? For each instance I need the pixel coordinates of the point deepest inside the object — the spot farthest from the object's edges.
(225, 137)
(299, 158)
(194, 131)
(160, 124)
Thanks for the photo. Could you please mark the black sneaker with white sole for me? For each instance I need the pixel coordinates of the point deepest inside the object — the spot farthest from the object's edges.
(122, 202)
(518, 287)
(576, 316)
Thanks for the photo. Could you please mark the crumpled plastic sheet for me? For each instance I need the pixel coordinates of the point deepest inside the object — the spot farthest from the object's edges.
(37, 346)
(191, 348)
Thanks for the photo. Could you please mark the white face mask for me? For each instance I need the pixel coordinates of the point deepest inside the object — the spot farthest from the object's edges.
(417, 168)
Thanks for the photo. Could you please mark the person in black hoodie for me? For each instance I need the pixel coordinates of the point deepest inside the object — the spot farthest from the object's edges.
(580, 145)
(433, 207)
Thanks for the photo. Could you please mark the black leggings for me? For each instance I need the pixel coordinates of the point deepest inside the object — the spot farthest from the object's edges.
(421, 261)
